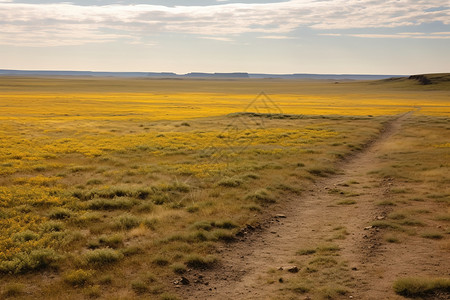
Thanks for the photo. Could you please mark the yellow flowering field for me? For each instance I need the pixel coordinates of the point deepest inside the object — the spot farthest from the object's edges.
(142, 179)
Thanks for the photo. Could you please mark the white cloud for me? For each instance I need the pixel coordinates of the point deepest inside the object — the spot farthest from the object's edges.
(331, 34)
(276, 37)
(66, 23)
(403, 35)
(217, 38)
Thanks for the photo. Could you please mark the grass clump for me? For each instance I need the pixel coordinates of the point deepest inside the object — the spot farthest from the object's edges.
(386, 203)
(300, 289)
(13, 290)
(432, 235)
(386, 225)
(110, 204)
(333, 292)
(323, 261)
(103, 256)
(230, 182)
(23, 262)
(25, 236)
(347, 202)
(224, 224)
(225, 236)
(167, 296)
(306, 251)
(94, 182)
(261, 196)
(178, 268)
(410, 222)
(78, 277)
(205, 225)
(392, 239)
(112, 241)
(416, 286)
(160, 261)
(59, 213)
(445, 218)
(320, 171)
(200, 262)
(52, 226)
(139, 287)
(127, 221)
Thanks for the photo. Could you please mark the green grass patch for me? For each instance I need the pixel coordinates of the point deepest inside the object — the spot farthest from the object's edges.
(415, 286)
(101, 257)
(78, 277)
(306, 251)
(200, 262)
(432, 235)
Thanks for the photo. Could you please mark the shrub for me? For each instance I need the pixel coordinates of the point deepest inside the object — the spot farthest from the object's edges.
(128, 221)
(415, 286)
(102, 256)
(22, 262)
(78, 277)
(25, 236)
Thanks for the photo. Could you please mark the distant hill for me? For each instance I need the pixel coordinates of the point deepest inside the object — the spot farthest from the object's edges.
(326, 76)
(426, 79)
(429, 81)
(237, 75)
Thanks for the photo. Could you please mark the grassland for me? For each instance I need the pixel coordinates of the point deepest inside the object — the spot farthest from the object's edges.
(114, 187)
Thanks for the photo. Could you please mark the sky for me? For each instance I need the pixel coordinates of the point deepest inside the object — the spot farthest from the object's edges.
(257, 36)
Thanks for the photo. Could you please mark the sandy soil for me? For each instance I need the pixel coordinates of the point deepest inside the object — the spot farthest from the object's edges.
(373, 263)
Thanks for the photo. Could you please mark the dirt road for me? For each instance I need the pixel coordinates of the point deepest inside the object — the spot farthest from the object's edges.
(336, 210)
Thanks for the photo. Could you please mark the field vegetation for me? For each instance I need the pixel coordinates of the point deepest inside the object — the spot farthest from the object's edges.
(116, 187)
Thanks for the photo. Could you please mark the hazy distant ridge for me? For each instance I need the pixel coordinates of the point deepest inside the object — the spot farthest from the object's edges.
(197, 75)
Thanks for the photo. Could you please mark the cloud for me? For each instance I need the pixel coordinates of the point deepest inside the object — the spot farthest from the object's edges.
(276, 37)
(67, 23)
(217, 38)
(402, 35)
